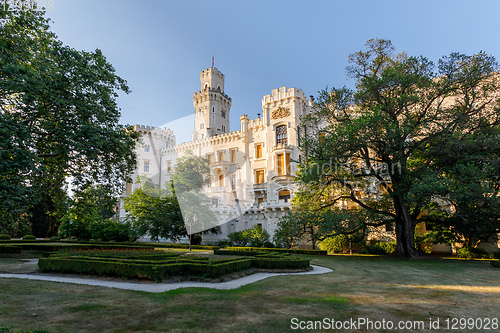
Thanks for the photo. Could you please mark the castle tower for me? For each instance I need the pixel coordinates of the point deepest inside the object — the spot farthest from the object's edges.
(211, 105)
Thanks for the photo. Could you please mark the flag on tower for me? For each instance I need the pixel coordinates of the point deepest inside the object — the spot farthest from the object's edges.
(212, 61)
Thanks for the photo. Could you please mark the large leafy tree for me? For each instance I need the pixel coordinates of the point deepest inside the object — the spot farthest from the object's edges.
(59, 120)
(155, 211)
(389, 148)
(191, 175)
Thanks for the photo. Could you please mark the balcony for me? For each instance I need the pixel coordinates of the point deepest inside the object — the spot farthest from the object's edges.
(262, 187)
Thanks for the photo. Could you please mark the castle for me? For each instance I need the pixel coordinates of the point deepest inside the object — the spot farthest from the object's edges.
(251, 169)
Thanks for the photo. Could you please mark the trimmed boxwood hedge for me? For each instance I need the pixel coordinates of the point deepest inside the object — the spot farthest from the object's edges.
(260, 249)
(10, 249)
(158, 270)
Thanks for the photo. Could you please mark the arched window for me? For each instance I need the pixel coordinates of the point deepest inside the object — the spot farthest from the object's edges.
(202, 126)
(281, 135)
(284, 195)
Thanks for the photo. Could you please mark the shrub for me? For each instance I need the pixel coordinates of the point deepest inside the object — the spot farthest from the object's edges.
(468, 252)
(496, 254)
(224, 243)
(335, 244)
(380, 248)
(10, 249)
(265, 249)
(256, 236)
(158, 270)
(29, 237)
(111, 230)
(54, 239)
(237, 238)
(4, 237)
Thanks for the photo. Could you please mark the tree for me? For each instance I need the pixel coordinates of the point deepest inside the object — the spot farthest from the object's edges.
(58, 108)
(191, 175)
(384, 147)
(155, 211)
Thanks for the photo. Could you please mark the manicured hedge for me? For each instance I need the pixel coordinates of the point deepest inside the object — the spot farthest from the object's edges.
(10, 249)
(260, 249)
(4, 237)
(158, 270)
(153, 271)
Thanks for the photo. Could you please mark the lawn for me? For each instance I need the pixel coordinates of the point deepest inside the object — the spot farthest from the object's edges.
(360, 287)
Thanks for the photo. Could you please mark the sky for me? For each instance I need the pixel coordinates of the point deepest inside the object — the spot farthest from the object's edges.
(160, 46)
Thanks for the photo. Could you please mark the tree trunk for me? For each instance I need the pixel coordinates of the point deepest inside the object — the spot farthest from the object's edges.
(405, 230)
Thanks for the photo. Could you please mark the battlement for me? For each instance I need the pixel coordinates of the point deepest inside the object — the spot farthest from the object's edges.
(211, 70)
(283, 93)
(211, 93)
(256, 122)
(164, 134)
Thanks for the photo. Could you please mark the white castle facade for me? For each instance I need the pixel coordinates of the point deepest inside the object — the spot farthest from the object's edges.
(251, 168)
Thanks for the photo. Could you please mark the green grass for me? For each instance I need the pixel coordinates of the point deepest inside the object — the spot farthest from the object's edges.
(359, 286)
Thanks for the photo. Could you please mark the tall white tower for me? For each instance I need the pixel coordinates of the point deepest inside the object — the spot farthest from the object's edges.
(211, 105)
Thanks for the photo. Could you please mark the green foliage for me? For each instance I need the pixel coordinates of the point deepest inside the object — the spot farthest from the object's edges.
(29, 237)
(237, 238)
(104, 263)
(59, 111)
(155, 211)
(4, 237)
(191, 174)
(378, 247)
(335, 244)
(472, 253)
(113, 230)
(391, 146)
(255, 237)
(289, 231)
(10, 249)
(263, 249)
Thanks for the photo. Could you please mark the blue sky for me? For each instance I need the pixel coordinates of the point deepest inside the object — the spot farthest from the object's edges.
(160, 47)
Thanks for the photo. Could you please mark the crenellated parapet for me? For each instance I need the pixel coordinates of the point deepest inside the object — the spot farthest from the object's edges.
(212, 141)
(159, 133)
(283, 94)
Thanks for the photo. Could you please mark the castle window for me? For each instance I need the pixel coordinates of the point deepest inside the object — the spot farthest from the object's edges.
(213, 109)
(259, 176)
(281, 135)
(284, 195)
(233, 182)
(221, 180)
(260, 201)
(209, 159)
(147, 149)
(202, 126)
(223, 114)
(169, 167)
(258, 151)
(223, 128)
(221, 156)
(146, 166)
(233, 155)
(283, 164)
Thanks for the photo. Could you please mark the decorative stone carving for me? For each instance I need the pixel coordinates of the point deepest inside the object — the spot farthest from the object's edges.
(280, 113)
